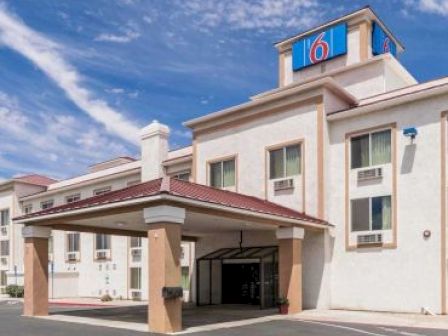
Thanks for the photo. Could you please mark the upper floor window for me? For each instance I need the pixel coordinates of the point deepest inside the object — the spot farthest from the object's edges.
(73, 241)
(285, 162)
(184, 176)
(73, 198)
(136, 242)
(102, 242)
(222, 174)
(47, 204)
(4, 248)
(371, 149)
(371, 214)
(4, 217)
(27, 209)
(101, 191)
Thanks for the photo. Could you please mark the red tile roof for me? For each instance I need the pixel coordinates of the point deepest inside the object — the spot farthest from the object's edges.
(35, 179)
(183, 189)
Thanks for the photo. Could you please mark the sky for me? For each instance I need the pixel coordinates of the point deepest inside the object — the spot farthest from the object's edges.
(79, 79)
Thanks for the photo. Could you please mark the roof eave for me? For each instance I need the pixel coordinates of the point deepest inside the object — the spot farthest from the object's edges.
(168, 197)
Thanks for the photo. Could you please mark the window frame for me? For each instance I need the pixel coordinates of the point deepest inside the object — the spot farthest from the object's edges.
(67, 248)
(184, 172)
(27, 206)
(369, 134)
(221, 161)
(103, 249)
(139, 280)
(8, 246)
(45, 202)
(283, 147)
(77, 195)
(370, 215)
(8, 216)
(139, 245)
(102, 190)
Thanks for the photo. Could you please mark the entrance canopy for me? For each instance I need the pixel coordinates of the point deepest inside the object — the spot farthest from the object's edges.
(208, 210)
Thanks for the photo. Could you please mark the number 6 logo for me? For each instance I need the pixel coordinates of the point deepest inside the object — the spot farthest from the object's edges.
(319, 44)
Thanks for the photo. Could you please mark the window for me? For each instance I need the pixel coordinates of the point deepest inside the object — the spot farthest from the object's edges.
(371, 214)
(46, 204)
(185, 277)
(184, 176)
(4, 248)
(3, 278)
(136, 278)
(222, 174)
(101, 191)
(73, 240)
(4, 217)
(136, 242)
(371, 149)
(102, 242)
(73, 198)
(27, 209)
(285, 162)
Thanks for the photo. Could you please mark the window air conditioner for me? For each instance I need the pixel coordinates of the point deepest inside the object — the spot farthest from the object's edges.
(136, 295)
(375, 238)
(370, 174)
(102, 254)
(284, 184)
(72, 256)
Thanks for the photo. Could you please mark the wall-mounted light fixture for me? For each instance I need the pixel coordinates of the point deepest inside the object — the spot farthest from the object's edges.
(410, 132)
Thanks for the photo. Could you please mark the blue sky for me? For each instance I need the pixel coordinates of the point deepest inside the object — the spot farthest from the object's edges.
(79, 78)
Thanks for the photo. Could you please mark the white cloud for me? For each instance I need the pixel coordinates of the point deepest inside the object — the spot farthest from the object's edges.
(57, 144)
(47, 56)
(439, 7)
(256, 14)
(126, 37)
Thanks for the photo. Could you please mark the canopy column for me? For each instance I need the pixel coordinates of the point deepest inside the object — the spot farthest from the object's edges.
(36, 270)
(165, 290)
(290, 266)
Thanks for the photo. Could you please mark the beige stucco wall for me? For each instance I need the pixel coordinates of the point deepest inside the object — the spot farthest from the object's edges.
(408, 277)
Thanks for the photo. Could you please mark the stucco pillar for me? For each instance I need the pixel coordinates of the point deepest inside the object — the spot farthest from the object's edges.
(36, 270)
(164, 243)
(290, 266)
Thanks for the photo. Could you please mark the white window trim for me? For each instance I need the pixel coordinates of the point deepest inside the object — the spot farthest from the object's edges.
(221, 162)
(47, 201)
(78, 195)
(102, 190)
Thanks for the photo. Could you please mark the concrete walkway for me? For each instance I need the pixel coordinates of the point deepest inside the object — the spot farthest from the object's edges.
(375, 318)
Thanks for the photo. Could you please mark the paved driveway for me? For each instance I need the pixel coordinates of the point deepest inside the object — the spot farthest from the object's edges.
(12, 324)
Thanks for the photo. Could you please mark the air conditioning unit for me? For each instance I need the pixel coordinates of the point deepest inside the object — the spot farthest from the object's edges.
(72, 256)
(284, 184)
(136, 254)
(102, 254)
(370, 174)
(4, 230)
(374, 238)
(136, 295)
(3, 261)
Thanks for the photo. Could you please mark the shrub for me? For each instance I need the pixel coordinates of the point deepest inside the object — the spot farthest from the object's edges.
(106, 298)
(15, 291)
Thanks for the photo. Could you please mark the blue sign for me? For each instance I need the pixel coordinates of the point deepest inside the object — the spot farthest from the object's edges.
(320, 47)
(381, 42)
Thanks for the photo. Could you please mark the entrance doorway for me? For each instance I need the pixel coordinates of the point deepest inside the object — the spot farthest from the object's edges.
(241, 283)
(246, 275)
